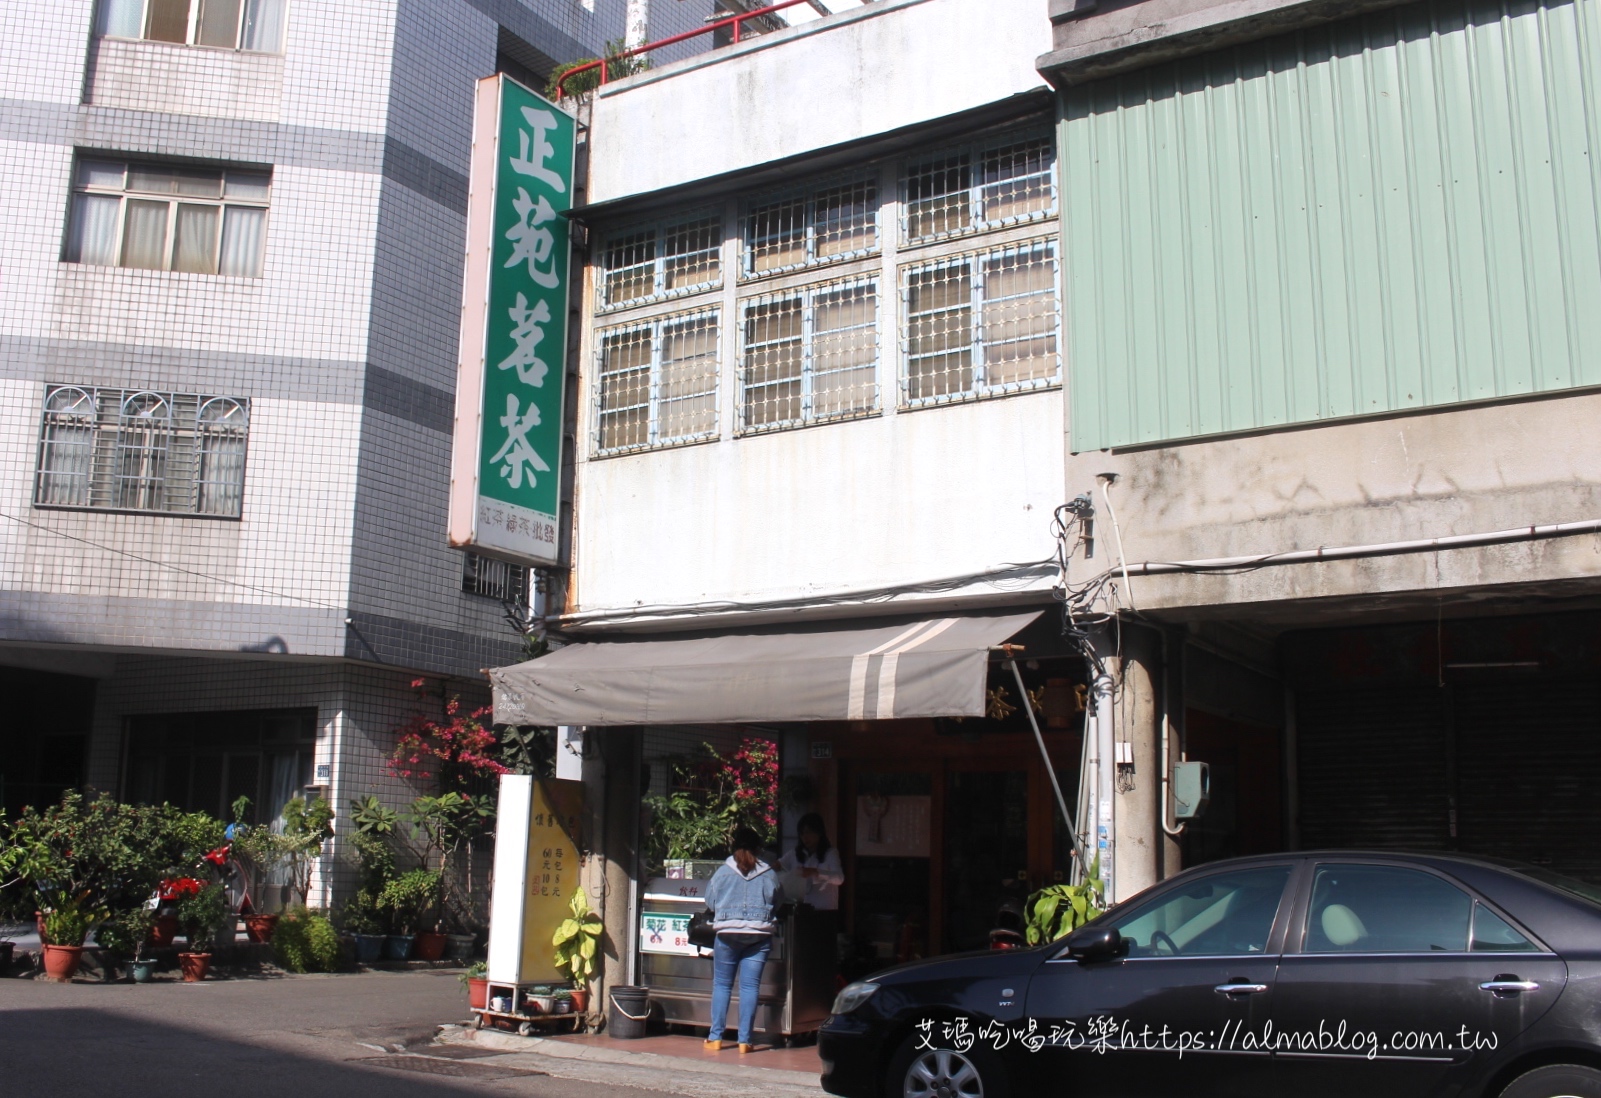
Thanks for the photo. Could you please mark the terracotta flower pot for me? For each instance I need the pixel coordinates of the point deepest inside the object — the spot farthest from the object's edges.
(164, 930)
(259, 928)
(477, 994)
(195, 966)
(61, 962)
(430, 946)
(580, 1000)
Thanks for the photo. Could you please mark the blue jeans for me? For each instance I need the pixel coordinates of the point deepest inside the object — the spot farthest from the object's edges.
(747, 961)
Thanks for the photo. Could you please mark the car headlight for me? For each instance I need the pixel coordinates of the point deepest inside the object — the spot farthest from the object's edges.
(852, 996)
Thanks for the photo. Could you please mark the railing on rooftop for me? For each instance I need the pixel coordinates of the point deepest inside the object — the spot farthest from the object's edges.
(734, 21)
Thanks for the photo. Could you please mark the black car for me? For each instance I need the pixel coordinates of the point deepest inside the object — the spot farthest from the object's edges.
(1308, 975)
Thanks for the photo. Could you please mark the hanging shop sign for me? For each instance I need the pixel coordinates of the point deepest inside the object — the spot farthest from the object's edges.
(506, 465)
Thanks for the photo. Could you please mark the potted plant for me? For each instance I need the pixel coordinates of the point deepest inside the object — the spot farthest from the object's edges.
(307, 826)
(202, 912)
(577, 941)
(476, 981)
(407, 899)
(66, 927)
(125, 936)
(259, 852)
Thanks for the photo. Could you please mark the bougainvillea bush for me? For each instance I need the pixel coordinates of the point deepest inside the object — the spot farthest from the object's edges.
(452, 751)
(713, 795)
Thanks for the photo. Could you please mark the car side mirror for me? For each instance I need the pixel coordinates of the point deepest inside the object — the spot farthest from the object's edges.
(1096, 943)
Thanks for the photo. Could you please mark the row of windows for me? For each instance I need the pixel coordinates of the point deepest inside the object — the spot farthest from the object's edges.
(255, 26)
(971, 188)
(972, 325)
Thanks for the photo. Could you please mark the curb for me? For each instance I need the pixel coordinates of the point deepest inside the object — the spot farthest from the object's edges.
(568, 1050)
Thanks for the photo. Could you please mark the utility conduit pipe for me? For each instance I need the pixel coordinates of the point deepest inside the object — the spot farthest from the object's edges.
(1378, 549)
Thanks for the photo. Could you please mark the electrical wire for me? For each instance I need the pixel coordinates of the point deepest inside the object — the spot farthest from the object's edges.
(173, 567)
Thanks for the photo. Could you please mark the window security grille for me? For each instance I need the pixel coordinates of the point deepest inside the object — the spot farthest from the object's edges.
(809, 354)
(251, 25)
(819, 226)
(495, 579)
(128, 450)
(979, 187)
(662, 260)
(981, 324)
(168, 217)
(657, 383)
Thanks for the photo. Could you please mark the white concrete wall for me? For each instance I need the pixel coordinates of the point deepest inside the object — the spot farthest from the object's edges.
(913, 496)
(866, 71)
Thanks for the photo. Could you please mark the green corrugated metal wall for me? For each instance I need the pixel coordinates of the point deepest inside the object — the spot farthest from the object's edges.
(1394, 212)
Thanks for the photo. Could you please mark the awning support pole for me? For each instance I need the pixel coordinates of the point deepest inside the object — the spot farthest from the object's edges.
(1039, 738)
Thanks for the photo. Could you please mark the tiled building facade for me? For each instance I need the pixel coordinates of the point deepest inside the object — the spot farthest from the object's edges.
(228, 335)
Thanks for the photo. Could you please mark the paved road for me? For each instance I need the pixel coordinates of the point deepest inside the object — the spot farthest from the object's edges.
(290, 1037)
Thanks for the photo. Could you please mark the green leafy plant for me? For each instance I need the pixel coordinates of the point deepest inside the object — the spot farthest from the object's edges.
(409, 899)
(125, 933)
(307, 826)
(577, 940)
(586, 82)
(69, 923)
(712, 796)
(478, 970)
(259, 851)
(1058, 910)
(202, 914)
(305, 942)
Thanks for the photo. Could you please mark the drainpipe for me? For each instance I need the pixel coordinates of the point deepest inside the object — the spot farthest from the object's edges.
(1105, 764)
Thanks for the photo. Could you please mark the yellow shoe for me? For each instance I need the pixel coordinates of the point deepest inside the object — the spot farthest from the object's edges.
(743, 1048)
(713, 1045)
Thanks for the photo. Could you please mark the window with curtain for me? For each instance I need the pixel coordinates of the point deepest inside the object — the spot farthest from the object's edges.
(670, 258)
(1003, 181)
(204, 220)
(134, 450)
(826, 223)
(255, 26)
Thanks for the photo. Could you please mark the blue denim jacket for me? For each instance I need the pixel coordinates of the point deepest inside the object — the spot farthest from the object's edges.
(744, 904)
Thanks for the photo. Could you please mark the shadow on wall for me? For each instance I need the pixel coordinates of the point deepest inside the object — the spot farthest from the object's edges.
(276, 645)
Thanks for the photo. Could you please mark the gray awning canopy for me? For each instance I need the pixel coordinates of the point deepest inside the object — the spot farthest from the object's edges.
(934, 667)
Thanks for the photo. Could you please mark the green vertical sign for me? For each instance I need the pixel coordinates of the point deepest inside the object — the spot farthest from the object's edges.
(525, 329)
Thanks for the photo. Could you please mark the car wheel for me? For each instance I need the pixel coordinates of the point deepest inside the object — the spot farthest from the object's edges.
(941, 1072)
(1556, 1081)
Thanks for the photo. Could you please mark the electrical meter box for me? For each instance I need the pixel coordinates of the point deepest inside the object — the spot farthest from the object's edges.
(1192, 790)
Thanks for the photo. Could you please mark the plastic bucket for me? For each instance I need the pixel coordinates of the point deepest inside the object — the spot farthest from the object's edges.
(630, 1008)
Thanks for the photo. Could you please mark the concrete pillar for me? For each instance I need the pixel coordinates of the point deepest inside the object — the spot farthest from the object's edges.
(618, 848)
(1138, 838)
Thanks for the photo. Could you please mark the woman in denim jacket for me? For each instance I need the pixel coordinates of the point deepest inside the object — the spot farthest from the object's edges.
(742, 896)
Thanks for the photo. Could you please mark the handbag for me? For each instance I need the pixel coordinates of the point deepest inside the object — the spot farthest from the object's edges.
(701, 931)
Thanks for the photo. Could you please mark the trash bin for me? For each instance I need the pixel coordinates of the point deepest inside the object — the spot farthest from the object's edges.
(630, 1008)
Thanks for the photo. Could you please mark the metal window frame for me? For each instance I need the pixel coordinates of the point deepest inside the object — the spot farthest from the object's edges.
(978, 261)
(975, 152)
(656, 327)
(124, 195)
(659, 231)
(807, 194)
(175, 485)
(514, 587)
(808, 295)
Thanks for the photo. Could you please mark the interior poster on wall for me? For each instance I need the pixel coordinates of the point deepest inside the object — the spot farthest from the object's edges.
(506, 464)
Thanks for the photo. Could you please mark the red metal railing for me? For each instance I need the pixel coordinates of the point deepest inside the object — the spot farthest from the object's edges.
(710, 28)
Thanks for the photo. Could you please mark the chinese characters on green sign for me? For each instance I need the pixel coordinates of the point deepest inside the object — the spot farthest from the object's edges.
(505, 494)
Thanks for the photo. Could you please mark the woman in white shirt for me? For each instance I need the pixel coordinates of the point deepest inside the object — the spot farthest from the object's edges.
(815, 858)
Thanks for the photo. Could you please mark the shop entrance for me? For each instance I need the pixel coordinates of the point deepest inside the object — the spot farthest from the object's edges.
(941, 825)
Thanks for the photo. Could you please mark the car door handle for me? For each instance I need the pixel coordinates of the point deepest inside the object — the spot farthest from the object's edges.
(1239, 989)
(1499, 986)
